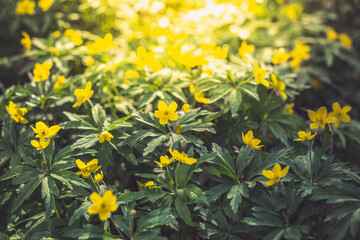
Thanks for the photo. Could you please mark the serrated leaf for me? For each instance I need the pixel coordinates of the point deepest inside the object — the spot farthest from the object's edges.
(183, 211)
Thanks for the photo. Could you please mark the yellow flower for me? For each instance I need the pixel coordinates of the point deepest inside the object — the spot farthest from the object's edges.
(132, 74)
(42, 71)
(149, 184)
(246, 50)
(305, 136)
(41, 144)
(83, 94)
(16, 113)
(192, 88)
(280, 56)
(43, 131)
(275, 174)
(25, 7)
(320, 118)
(289, 109)
(87, 168)
(105, 136)
(182, 157)
(45, 4)
(56, 34)
(186, 108)
(164, 161)
(26, 41)
(300, 53)
(75, 36)
(220, 53)
(104, 205)
(146, 59)
(178, 130)
(331, 35)
(200, 97)
(278, 85)
(166, 113)
(345, 40)
(293, 11)
(103, 44)
(60, 80)
(100, 176)
(260, 74)
(340, 113)
(209, 45)
(252, 142)
(88, 61)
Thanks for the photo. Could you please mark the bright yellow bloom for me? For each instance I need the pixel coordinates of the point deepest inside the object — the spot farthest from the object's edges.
(42, 71)
(16, 113)
(289, 109)
(45, 4)
(41, 144)
(187, 58)
(192, 88)
(88, 61)
(320, 118)
(56, 34)
(246, 50)
(278, 85)
(146, 59)
(60, 80)
(132, 74)
(294, 11)
(104, 205)
(87, 168)
(280, 55)
(208, 46)
(340, 113)
(25, 7)
(105, 136)
(75, 36)
(166, 113)
(252, 142)
(103, 44)
(200, 97)
(149, 184)
(260, 74)
(83, 94)
(331, 35)
(275, 174)
(26, 41)
(182, 157)
(164, 161)
(345, 40)
(305, 136)
(100, 176)
(44, 131)
(186, 108)
(220, 53)
(300, 53)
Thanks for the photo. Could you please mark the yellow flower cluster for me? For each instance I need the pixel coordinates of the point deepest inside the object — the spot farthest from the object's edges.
(182, 157)
(42, 71)
(300, 53)
(103, 44)
(103, 205)
(16, 113)
(332, 35)
(75, 36)
(188, 58)
(25, 7)
(320, 118)
(145, 58)
(87, 168)
(44, 133)
(45, 4)
(280, 56)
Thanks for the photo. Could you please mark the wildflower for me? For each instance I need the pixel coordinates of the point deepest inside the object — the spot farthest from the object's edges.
(320, 118)
(166, 113)
(100, 176)
(45, 4)
(164, 161)
(182, 157)
(41, 144)
(186, 108)
(42, 71)
(305, 136)
(200, 97)
(260, 74)
(83, 94)
(293, 11)
(220, 53)
(75, 36)
(300, 53)
(278, 85)
(345, 40)
(340, 113)
(331, 35)
(280, 56)
(87, 168)
(56, 34)
(105, 136)
(16, 113)
(25, 7)
(275, 174)
(26, 41)
(59, 81)
(192, 88)
(289, 109)
(209, 45)
(146, 59)
(103, 205)
(103, 44)
(252, 142)
(88, 61)
(43, 131)
(246, 50)
(132, 74)
(149, 184)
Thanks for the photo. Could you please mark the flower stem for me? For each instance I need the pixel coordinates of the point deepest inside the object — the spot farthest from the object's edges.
(116, 228)
(56, 211)
(45, 163)
(310, 161)
(286, 203)
(242, 162)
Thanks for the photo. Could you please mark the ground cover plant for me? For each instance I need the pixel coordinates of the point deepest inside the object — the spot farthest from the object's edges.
(150, 119)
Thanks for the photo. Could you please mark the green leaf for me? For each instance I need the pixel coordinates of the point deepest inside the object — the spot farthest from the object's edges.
(156, 218)
(153, 144)
(235, 100)
(219, 92)
(86, 141)
(235, 194)
(215, 192)
(81, 211)
(274, 235)
(196, 194)
(181, 174)
(183, 211)
(98, 114)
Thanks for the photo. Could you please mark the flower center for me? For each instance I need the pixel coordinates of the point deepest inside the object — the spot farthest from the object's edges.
(103, 205)
(166, 112)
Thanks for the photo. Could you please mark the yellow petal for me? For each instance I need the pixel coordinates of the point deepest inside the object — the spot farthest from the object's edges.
(173, 106)
(271, 182)
(104, 215)
(277, 170)
(322, 112)
(284, 172)
(312, 116)
(267, 173)
(95, 198)
(93, 209)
